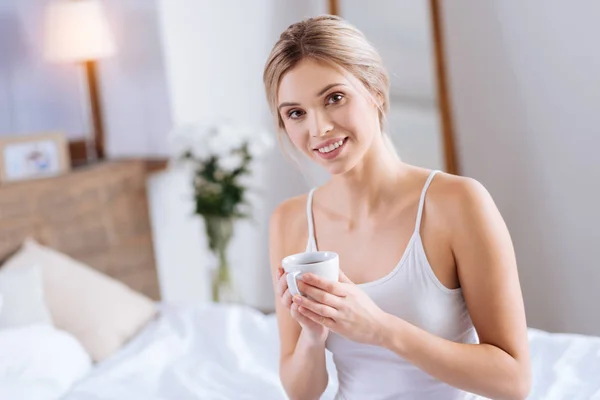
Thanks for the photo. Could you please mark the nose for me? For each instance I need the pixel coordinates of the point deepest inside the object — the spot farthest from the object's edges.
(319, 124)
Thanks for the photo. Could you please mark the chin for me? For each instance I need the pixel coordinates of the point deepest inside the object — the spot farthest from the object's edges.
(339, 167)
(342, 163)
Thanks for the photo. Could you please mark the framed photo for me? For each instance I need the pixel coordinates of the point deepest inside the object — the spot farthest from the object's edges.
(33, 156)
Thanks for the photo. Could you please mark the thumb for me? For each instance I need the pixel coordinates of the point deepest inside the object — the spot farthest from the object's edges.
(344, 278)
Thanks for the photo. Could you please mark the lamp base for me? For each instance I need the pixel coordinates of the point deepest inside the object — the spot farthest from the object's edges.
(91, 148)
(95, 109)
(80, 153)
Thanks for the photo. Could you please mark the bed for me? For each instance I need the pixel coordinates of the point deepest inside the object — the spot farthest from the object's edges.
(228, 352)
(205, 351)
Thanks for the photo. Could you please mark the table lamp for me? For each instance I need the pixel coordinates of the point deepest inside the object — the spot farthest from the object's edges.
(77, 31)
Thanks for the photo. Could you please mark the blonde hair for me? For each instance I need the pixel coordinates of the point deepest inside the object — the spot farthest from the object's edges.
(332, 40)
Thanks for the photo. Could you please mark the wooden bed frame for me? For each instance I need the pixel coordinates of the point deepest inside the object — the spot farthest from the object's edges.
(97, 214)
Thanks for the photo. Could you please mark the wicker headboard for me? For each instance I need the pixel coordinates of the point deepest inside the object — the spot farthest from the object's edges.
(96, 214)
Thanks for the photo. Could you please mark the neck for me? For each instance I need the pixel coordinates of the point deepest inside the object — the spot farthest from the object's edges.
(372, 184)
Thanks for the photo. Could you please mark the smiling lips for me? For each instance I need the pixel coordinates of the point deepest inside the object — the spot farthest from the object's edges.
(331, 148)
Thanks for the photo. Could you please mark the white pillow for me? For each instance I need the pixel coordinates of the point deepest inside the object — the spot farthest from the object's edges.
(22, 297)
(39, 362)
(101, 312)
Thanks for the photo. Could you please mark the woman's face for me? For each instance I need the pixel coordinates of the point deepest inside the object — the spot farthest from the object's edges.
(328, 115)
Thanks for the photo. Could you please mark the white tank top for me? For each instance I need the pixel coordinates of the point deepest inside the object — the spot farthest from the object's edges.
(412, 292)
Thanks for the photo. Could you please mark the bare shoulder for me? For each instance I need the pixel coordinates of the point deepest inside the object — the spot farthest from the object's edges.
(289, 213)
(458, 199)
(472, 223)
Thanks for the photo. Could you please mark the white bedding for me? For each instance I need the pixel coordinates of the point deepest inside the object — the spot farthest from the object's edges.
(222, 352)
(209, 352)
(565, 366)
(39, 362)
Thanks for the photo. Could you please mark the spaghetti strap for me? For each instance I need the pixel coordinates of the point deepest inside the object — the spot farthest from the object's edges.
(312, 243)
(422, 200)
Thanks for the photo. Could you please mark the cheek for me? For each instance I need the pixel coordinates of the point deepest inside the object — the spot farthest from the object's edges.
(357, 120)
(296, 134)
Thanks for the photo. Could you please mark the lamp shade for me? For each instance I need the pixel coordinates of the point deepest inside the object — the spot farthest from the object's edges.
(77, 30)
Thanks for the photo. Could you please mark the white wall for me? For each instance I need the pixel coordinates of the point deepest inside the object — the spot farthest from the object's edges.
(213, 57)
(525, 86)
(134, 90)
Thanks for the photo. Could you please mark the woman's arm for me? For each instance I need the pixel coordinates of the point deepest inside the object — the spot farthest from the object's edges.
(302, 366)
(498, 367)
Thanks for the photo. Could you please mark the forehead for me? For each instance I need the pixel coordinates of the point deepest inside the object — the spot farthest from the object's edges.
(305, 80)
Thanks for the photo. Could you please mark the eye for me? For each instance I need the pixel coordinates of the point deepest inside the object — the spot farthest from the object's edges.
(294, 114)
(335, 98)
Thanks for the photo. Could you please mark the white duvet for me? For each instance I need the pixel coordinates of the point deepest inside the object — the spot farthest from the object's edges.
(565, 366)
(209, 352)
(39, 362)
(223, 352)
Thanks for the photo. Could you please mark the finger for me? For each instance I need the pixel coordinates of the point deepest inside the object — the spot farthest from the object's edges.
(329, 286)
(344, 278)
(318, 308)
(303, 320)
(299, 317)
(319, 319)
(294, 311)
(319, 295)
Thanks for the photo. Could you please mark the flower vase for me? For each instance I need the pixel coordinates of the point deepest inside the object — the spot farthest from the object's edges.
(219, 231)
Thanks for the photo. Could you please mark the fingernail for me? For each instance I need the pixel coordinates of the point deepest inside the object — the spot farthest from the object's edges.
(297, 299)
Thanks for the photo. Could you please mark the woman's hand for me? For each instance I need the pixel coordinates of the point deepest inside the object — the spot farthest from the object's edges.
(316, 332)
(342, 307)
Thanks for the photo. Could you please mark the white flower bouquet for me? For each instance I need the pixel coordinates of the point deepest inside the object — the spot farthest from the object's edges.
(220, 155)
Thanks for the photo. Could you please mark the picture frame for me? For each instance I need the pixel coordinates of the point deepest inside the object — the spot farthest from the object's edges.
(33, 156)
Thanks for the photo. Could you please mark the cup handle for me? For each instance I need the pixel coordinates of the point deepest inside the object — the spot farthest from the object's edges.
(292, 284)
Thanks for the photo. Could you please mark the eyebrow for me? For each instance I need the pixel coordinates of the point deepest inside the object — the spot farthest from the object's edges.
(321, 92)
(326, 88)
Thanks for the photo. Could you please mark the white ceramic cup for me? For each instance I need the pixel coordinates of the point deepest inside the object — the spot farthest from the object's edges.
(325, 264)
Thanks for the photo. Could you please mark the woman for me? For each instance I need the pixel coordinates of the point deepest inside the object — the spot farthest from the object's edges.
(444, 321)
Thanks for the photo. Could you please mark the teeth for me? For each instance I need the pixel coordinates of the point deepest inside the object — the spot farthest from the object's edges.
(331, 147)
